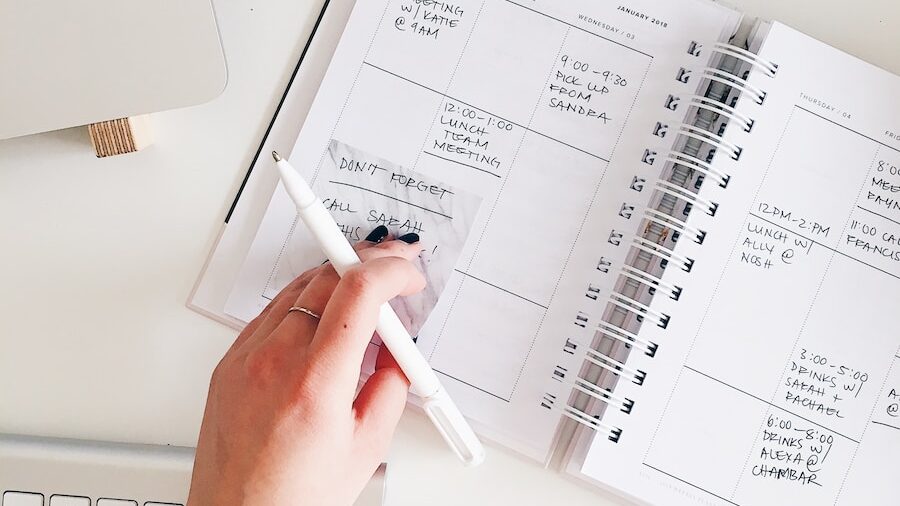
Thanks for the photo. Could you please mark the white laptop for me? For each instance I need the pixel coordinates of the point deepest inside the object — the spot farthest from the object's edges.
(78, 62)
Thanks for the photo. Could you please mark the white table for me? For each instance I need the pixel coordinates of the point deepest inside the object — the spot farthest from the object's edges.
(99, 255)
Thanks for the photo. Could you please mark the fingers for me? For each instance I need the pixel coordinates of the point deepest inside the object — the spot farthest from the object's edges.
(377, 235)
(380, 403)
(271, 316)
(276, 311)
(299, 328)
(349, 319)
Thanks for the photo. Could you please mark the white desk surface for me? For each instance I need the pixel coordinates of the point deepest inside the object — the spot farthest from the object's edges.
(99, 255)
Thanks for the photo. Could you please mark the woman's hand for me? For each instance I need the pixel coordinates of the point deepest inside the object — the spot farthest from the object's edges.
(283, 424)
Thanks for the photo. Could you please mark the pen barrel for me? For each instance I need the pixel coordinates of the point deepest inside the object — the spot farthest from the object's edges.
(329, 236)
(423, 381)
(422, 378)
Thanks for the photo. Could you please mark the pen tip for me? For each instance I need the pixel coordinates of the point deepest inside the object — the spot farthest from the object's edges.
(276, 156)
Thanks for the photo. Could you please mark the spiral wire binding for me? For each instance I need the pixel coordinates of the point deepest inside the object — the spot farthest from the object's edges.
(696, 164)
(667, 220)
(591, 422)
(643, 310)
(614, 366)
(629, 338)
(708, 137)
(628, 306)
(692, 199)
(664, 253)
(651, 281)
(719, 108)
(601, 394)
(734, 81)
(770, 68)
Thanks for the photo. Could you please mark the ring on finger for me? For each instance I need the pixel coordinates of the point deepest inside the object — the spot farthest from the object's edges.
(303, 310)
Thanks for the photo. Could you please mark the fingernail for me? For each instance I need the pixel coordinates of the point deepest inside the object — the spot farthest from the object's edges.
(376, 235)
(410, 238)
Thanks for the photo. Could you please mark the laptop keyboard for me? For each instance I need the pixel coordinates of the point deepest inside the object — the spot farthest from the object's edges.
(14, 498)
(37, 471)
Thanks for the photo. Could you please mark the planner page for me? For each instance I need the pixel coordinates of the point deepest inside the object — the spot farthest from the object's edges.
(541, 108)
(777, 378)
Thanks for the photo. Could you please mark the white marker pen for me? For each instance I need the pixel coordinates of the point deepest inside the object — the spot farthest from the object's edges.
(438, 405)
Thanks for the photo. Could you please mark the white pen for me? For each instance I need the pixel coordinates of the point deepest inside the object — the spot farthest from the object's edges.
(438, 405)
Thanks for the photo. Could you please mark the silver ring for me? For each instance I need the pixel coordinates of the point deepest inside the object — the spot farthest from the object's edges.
(307, 311)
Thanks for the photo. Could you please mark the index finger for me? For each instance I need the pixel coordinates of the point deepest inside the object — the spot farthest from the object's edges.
(273, 315)
(349, 319)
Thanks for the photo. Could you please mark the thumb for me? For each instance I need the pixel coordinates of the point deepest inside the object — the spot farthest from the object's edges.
(380, 403)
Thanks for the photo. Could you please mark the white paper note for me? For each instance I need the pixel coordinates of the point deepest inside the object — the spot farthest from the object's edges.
(362, 191)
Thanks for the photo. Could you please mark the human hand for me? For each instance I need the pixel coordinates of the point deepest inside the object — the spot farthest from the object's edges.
(283, 424)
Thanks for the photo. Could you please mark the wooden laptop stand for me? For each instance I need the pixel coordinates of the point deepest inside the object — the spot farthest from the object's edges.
(119, 136)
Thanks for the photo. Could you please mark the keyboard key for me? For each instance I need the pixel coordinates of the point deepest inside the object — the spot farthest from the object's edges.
(161, 504)
(22, 499)
(69, 500)
(115, 502)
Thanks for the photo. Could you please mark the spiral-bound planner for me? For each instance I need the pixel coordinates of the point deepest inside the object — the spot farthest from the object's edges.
(682, 279)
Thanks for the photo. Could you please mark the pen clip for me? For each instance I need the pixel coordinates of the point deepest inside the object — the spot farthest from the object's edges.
(453, 427)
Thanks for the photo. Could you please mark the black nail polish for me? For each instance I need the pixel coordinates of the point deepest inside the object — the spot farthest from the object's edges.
(376, 235)
(410, 238)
